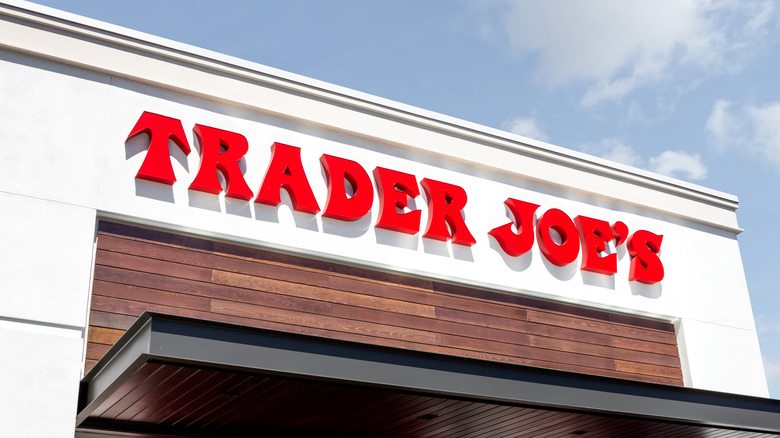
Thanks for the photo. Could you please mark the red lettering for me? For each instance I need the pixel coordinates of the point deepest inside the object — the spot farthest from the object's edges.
(395, 189)
(646, 267)
(221, 150)
(286, 172)
(620, 230)
(565, 252)
(339, 205)
(520, 242)
(157, 163)
(595, 234)
(445, 221)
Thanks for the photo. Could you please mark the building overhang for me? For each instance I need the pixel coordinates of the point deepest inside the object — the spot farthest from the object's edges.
(176, 376)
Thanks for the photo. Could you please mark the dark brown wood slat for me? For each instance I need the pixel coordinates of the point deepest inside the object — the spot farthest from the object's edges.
(253, 253)
(248, 281)
(494, 335)
(604, 351)
(509, 320)
(555, 332)
(100, 335)
(166, 393)
(641, 345)
(533, 426)
(582, 422)
(617, 427)
(480, 332)
(275, 271)
(582, 355)
(110, 320)
(310, 400)
(343, 405)
(96, 351)
(290, 260)
(290, 403)
(393, 312)
(446, 417)
(141, 269)
(275, 300)
(198, 258)
(406, 415)
(265, 410)
(144, 248)
(158, 385)
(144, 264)
(321, 293)
(423, 296)
(322, 321)
(555, 306)
(151, 296)
(196, 384)
(136, 308)
(526, 352)
(623, 318)
(352, 284)
(654, 370)
(241, 406)
(146, 370)
(155, 236)
(491, 415)
(156, 282)
(390, 413)
(601, 327)
(210, 399)
(232, 403)
(160, 375)
(511, 422)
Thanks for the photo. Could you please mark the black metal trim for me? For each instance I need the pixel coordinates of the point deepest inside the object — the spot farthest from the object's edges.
(174, 339)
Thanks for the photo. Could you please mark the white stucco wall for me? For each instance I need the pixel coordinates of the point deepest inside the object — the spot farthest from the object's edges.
(67, 105)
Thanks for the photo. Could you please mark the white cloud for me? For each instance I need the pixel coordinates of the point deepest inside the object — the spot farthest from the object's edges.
(527, 127)
(721, 125)
(767, 325)
(765, 121)
(750, 128)
(678, 164)
(616, 46)
(614, 150)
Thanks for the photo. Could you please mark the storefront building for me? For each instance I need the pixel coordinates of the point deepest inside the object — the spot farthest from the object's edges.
(195, 245)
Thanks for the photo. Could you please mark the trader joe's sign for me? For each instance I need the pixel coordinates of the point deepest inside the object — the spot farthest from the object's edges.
(559, 237)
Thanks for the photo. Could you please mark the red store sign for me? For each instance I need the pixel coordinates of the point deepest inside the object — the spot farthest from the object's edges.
(221, 151)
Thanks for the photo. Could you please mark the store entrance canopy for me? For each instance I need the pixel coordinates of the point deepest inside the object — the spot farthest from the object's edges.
(174, 376)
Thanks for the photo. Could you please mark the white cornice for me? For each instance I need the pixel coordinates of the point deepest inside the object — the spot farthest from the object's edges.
(27, 27)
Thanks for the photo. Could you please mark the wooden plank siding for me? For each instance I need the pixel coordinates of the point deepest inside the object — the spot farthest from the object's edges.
(138, 269)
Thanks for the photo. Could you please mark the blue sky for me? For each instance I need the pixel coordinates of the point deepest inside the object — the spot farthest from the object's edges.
(690, 89)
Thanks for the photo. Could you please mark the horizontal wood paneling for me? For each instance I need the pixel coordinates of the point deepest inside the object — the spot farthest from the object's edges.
(140, 269)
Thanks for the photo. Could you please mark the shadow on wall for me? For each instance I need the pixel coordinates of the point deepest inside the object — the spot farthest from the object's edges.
(646, 290)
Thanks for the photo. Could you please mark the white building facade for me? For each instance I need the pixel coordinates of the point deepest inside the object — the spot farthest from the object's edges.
(73, 90)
